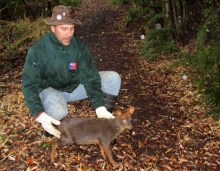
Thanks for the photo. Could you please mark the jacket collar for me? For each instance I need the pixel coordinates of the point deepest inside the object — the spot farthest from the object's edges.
(56, 43)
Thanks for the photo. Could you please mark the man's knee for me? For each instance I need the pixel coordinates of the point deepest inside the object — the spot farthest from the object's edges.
(116, 80)
(116, 77)
(111, 82)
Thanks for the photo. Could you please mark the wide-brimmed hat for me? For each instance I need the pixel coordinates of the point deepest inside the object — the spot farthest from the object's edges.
(62, 15)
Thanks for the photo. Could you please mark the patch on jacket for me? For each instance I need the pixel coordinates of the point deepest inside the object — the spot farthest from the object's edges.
(72, 66)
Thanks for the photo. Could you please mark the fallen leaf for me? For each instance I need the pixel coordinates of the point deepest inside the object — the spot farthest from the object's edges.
(11, 158)
(182, 160)
(167, 167)
(169, 150)
(30, 161)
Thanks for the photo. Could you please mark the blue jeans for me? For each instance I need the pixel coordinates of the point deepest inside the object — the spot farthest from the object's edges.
(55, 102)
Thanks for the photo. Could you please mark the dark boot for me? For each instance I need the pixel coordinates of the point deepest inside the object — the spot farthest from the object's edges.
(110, 101)
(48, 135)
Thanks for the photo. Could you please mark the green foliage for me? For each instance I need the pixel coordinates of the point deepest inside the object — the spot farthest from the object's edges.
(206, 66)
(119, 2)
(158, 38)
(45, 145)
(202, 36)
(153, 19)
(208, 33)
(209, 30)
(156, 41)
(206, 60)
(16, 37)
(2, 138)
(135, 14)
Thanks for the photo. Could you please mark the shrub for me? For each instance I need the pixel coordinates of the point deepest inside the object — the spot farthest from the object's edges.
(156, 41)
(206, 73)
(16, 37)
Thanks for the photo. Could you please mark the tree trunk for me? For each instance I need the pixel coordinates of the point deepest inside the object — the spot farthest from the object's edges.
(167, 16)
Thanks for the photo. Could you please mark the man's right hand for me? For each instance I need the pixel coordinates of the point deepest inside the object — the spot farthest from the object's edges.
(102, 112)
(46, 122)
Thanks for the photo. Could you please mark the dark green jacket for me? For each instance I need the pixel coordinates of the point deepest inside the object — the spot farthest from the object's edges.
(50, 64)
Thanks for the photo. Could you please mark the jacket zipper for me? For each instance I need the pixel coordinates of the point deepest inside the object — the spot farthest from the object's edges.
(67, 81)
(58, 73)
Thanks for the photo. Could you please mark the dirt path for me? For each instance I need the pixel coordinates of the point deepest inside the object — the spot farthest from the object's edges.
(169, 131)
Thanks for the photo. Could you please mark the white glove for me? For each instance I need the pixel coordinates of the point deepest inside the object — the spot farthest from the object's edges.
(46, 122)
(102, 112)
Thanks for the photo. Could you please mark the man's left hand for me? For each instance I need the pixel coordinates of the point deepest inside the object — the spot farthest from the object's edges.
(102, 112)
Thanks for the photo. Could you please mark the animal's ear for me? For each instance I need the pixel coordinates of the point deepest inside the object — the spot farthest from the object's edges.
(118, 113)
(131, 110)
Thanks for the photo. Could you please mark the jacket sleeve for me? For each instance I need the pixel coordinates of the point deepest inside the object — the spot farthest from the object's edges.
(90, 78)
(31, 80)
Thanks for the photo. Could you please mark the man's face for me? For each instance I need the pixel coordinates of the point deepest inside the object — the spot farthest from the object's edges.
(64, 33)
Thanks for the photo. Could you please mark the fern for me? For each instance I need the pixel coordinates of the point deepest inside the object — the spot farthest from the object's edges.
(136, 14)
(206, 66)
(156, 41)
(154, 19)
